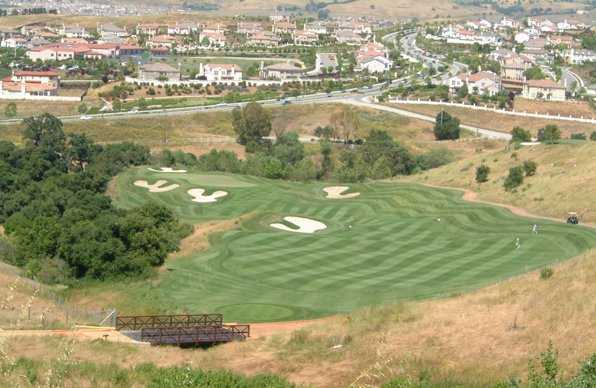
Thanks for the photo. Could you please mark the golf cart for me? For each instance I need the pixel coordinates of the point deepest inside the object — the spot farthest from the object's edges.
(572, 218)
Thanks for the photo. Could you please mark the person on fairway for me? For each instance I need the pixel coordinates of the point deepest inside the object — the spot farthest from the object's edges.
(517, 243)
(535, 228)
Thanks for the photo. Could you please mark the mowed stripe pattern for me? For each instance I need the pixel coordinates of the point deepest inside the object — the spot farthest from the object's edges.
(393, 242)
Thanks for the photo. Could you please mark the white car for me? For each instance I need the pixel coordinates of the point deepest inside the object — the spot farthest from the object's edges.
(85, 117)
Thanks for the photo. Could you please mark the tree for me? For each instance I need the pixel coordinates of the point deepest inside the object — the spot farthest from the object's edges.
(593, 136)
(462, 92)
(482, 173)
(520, 135)
(446, 127)
(327, 162)
(535, 72)
(550, 134)
(379, 144)
(326, 132)
(514, 179)
(11, 110)
(347, 121)
(80, 151)
(530, 167)
(288, 148)
(251, 123)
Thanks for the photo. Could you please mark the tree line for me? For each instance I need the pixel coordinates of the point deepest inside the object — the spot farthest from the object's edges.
(59, 221)
(377, 156)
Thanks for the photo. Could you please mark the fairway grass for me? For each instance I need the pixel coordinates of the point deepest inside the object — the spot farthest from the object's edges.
(384, 246)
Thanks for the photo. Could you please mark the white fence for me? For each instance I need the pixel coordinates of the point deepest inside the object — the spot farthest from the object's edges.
(19, 96)
(581, 119)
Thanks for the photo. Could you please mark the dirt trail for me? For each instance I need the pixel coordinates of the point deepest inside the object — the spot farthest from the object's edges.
(89, 333)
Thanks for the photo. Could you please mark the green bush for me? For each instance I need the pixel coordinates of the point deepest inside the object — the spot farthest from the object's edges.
(530, 167)
(578, 136)
(546, 273)
(435, 158)
(482, 173)
(593, 136)
(514, 179)
(549, 134)
(446, 127)
(520, 135)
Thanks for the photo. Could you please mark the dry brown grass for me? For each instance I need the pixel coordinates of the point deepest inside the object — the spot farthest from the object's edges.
(405, 9)
(567, 108)
(499, 122)
(30, 108)
(563, 183)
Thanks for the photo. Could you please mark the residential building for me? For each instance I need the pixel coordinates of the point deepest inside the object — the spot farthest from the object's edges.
(544, 89)
(281, 71)
(164, 41)
(158, 72)
(13, 42)
(377, 64)
(319, 27)
(216, 72)
(148, 29)
(248, 28)
(264, 38)
(110, 31)
(30, 83)
(482, 82)
(215, 38)
(283, 27)
(182, 29)
(349, 37)
(75, 31)
(579, 57)
(305, 38)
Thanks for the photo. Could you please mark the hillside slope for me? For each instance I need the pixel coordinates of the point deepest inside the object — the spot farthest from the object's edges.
(565, 180)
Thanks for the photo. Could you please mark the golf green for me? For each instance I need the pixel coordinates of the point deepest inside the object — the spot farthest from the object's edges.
(395, 241)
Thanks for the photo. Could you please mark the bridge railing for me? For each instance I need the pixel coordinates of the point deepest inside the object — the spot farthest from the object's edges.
(139, 322)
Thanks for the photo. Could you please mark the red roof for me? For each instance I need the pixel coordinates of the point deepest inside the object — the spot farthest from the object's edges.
(33, 73)
(544, 83)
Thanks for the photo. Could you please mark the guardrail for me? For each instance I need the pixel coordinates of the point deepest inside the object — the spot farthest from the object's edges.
(195, 335)
(141, 322)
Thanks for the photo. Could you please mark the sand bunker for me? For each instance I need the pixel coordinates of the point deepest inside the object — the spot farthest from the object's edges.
(157, 187)
(199, 196)
(166, 169)
(305, 225)
(336, 192)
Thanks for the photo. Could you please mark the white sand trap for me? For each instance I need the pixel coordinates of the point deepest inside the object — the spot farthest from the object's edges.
(198, 195)
(336, 192)
(157, 187)
(166, 169)
(305, 225)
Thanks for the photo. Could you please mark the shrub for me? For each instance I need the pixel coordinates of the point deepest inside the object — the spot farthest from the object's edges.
(549, 134)
(446, 127)
(530, 167)
(578, 136)
(519, 135)
(435, 158)
(546, 273)
(514, 179)
(482, 173)
(593, 136)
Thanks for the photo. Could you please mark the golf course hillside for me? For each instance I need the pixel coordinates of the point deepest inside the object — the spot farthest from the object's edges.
(307, 250)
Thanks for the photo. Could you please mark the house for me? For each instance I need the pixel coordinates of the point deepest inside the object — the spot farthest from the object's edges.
(514, 67)
(216, 72)
(130, 50)
(348, 37)
(536, 47)
(264, 38)
(215, 38)
(305, 38)
(521, 37)
(164, 41)
(13, 42)
(566, 41)
(75, 31)
(110, 31)
(30, 83)
(57, 52)
(182, 29)
(480, 24)
(319, 28)
(283, 27)
(482, 82)
(281, 71)
(148, 29)
(357, 27)
(378, 64)
(543, 89)
(579, 57)
(326, 63)
(158, 72)
(370, 50)
(249, 28)
(507, 22)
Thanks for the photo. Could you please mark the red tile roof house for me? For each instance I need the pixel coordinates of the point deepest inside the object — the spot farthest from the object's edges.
(30, 83)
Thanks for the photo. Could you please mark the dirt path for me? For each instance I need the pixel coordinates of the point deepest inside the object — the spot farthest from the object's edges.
(89, 333)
